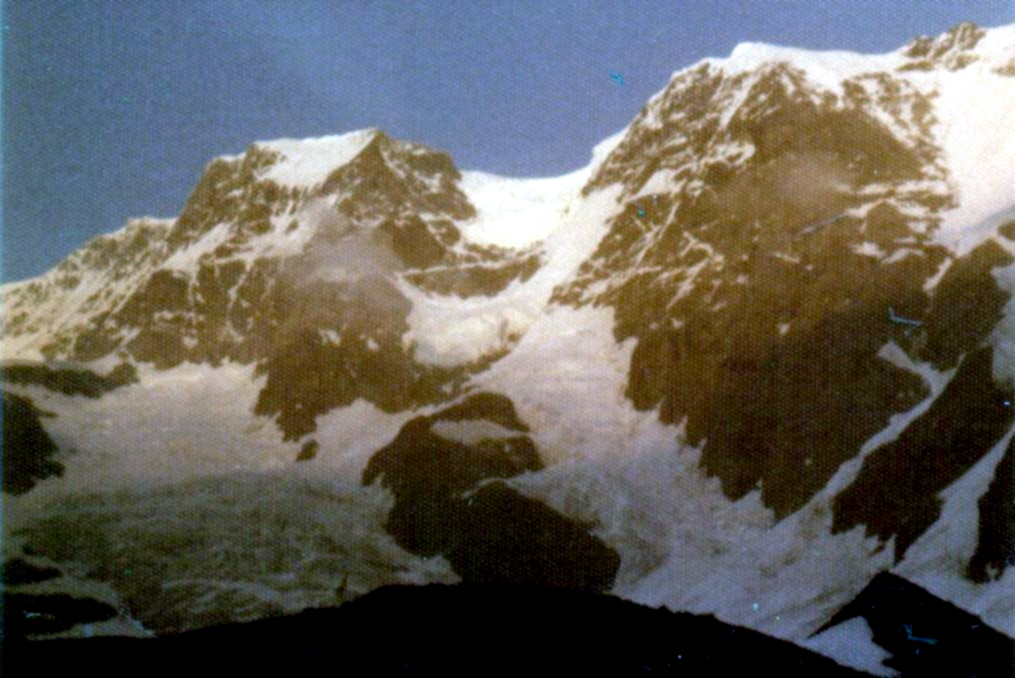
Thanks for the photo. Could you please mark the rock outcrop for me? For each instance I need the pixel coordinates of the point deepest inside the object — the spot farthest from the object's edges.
(27, 446)
(438, 468)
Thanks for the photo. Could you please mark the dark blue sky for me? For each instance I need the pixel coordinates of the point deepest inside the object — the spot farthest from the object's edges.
(113, 107)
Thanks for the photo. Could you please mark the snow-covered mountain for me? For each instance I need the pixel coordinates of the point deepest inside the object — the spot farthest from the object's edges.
(763, 344)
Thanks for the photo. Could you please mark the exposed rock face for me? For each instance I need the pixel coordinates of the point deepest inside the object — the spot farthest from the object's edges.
(428, 472)
(106, 272)
(967, 306)
(502, 536)
(950, 51)
(491, 534)
(485, 272)
(995, 548)
(27, 446)
(299, 274)
(19, 571)
(479, 438)
(337, 342)
(70, 381)
(896, 492)
(308, 451)
(448, 631)
(926, 635)
(37, 614)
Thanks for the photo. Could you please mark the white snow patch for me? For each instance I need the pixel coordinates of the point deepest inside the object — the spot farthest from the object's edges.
(935, 380)
(567, 379)
(349, 436)
(663, 181)
(471, 432)
(330, 337)
(308, 162)
(868, 249)
(975, 133)
(851, 643)
(517, 212)
(827, 69)
(902, 253)
(185, 260)
(933, 281)
(192, 420)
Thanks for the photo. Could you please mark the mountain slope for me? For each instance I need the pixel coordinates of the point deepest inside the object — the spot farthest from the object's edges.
(296, 253)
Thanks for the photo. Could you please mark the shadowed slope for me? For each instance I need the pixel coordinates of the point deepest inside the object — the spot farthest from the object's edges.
(468, 630)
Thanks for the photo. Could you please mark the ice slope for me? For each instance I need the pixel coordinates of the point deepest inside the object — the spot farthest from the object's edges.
(684, 545)
(229, 547)
(515, 212)
(972, 132)
(518, 212)
(308, 162)
(447, 330)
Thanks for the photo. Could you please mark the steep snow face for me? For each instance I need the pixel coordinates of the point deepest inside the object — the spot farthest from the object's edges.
(449, 331)
(518, 212)
(308, 162)
(971, 74)
(558, 228)
(521, 212)
(942, 559)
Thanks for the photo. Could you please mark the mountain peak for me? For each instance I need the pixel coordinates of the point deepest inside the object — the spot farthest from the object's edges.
(962, 37)
(961, 46)
(308, 162)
